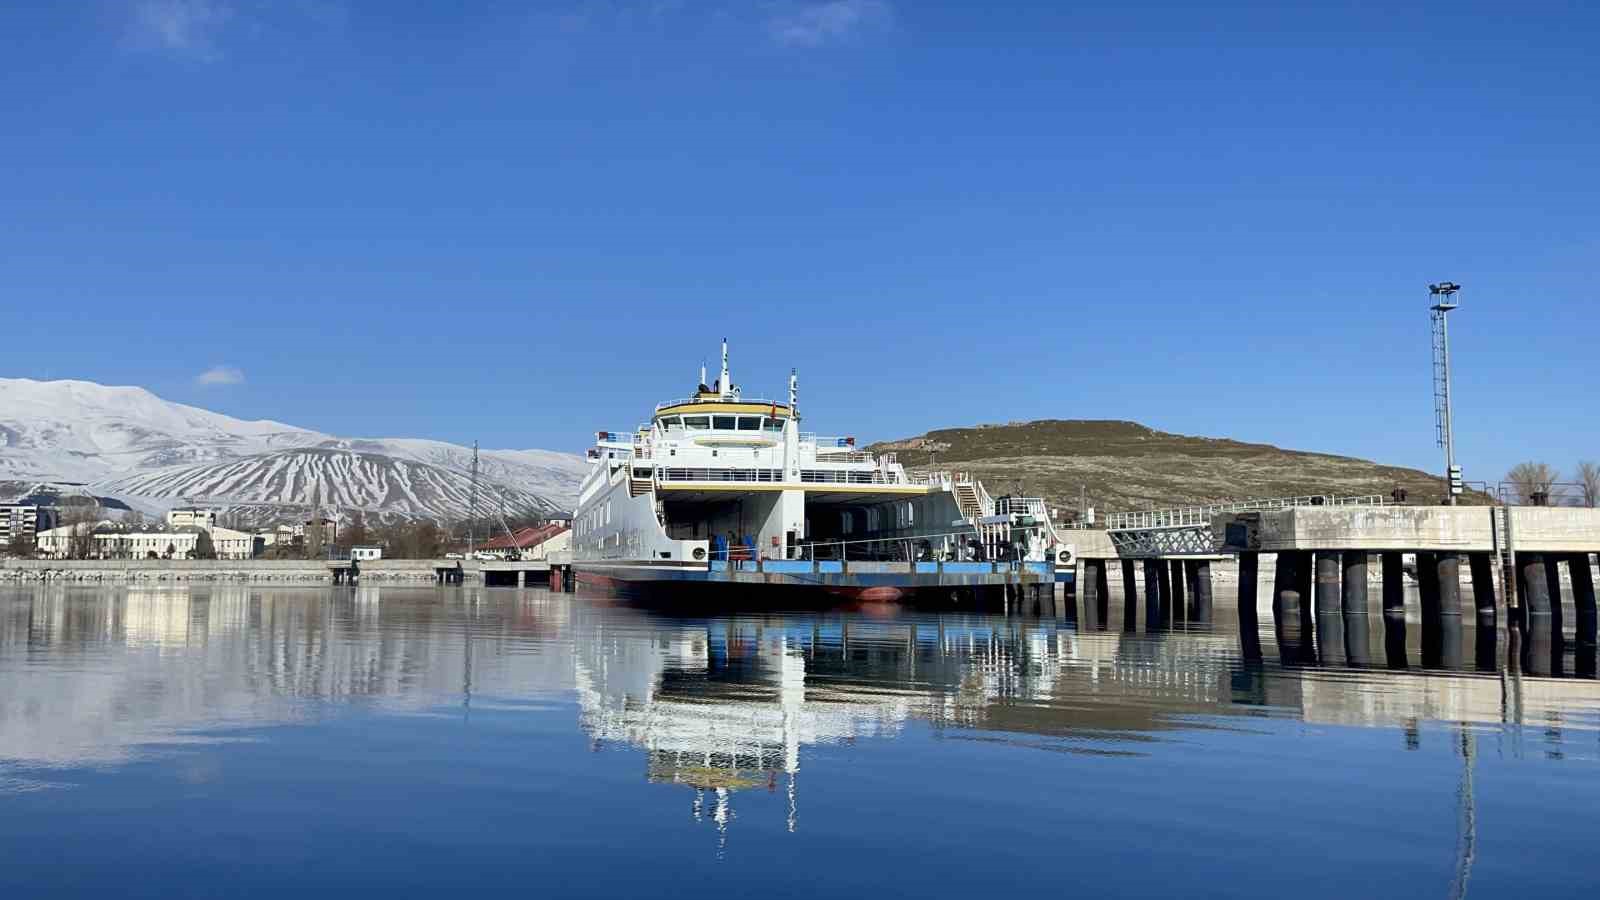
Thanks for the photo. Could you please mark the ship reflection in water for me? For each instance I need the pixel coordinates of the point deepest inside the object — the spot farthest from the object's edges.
(419, 741)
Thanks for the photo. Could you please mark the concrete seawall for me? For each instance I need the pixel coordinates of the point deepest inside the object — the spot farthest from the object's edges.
(257, 571)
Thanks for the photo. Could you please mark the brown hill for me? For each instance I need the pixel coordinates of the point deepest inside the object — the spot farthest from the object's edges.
(1127, 466)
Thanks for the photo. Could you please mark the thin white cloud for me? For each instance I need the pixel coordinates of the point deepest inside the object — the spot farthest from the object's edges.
(182, 27)
(219, 375)
(815, 24)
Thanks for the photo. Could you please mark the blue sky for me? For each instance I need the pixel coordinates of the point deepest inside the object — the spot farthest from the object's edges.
(520, 222)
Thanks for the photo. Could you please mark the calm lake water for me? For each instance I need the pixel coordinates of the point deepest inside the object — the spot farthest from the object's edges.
(406, 742)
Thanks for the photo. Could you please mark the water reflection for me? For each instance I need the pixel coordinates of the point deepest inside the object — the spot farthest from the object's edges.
(718, 705)
(769, 733)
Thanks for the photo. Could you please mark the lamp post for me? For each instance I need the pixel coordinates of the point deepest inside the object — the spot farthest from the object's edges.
(1444, 300)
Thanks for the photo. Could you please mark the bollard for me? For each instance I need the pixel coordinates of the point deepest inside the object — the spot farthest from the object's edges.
(1249, 628)
(1130, 597)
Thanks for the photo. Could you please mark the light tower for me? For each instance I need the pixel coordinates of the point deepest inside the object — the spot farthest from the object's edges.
(1444, 300)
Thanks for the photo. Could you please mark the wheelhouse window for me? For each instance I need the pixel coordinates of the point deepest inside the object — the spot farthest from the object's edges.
(671, 422)
(697, 423)
(770, 424)
(723, 423)
(749, 423)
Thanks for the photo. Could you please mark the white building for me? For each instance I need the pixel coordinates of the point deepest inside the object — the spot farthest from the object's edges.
(57, 543)
(191, 517)
(365, 553)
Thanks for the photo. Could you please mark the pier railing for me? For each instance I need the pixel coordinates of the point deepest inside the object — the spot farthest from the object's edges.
(1200, 516)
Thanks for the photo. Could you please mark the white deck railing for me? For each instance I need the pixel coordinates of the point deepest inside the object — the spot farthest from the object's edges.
(1192, 516)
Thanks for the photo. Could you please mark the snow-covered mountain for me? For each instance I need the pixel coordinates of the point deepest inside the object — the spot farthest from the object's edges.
(81, 431)
(343, 479)
(127, 442)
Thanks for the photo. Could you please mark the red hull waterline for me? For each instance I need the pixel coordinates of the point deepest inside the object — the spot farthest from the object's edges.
(871, 595)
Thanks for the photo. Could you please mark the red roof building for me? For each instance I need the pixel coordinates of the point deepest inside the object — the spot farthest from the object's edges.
(526, 540)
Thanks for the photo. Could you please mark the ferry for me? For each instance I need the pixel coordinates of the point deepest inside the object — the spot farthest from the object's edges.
(721, 489)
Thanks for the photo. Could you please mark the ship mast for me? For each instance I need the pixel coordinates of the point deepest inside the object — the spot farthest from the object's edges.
(724, 384)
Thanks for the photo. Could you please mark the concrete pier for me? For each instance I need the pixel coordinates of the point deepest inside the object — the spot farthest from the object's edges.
(1357, 639)
(1583, 599)
(1353, 593)
(1552, 580)
(1102, 597)
(1394, 587)
(1447, 573)
(1200, 590)
(1177, 578)
(1130, 597)
(1535, 590)
(1483, 592)
(1428, 585)
(1164, 585)
(1089, 582)
(1585, 662)
(1249, 627)
(1293, 646)
(1327, 596)
(1152, 594)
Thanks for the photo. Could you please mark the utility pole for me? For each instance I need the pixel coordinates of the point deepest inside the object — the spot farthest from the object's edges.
(1444, 300)
(472, 508)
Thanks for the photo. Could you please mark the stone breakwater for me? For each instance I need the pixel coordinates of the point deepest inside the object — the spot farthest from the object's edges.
(403, 571)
